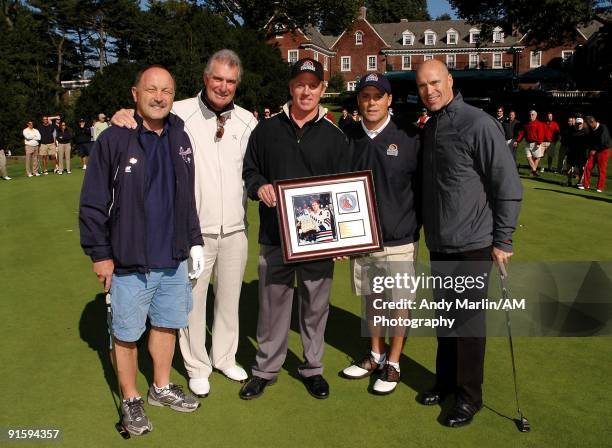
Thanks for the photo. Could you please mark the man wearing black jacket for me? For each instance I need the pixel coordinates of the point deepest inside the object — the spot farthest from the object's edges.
(471, 196)
(139, 225)
(378, 144)
(297, 142)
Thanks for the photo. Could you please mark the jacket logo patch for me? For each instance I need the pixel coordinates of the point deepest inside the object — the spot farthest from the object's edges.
(184, 153)
(133, 161)
(392, 150)
(128, 169)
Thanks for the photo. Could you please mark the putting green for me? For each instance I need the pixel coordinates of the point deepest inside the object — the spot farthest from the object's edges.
(56, 374)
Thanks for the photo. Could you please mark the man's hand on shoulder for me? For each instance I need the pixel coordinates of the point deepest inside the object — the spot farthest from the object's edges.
(104, 270)
(124, 118)
(267, 195)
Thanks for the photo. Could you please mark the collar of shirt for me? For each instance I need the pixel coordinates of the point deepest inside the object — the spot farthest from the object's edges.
(375, 132)
(226, 109)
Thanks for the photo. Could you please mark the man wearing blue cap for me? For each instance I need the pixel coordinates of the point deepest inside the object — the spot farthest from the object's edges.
(378, 144)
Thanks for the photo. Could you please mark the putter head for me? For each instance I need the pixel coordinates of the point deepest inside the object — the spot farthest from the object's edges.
(123, 432)
(522, 424)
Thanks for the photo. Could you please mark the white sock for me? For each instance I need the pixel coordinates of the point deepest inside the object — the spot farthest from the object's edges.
(160, 389)
(378, 358)
(133, 398)
(394, 365)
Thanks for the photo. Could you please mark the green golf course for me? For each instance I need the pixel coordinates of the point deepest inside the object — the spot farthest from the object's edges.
(57, 374)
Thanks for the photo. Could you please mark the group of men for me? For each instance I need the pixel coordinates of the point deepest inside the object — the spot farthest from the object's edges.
(581, 144)
(168, 182)
(52, 141)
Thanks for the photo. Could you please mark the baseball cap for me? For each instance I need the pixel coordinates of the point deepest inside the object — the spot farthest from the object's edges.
(377, 80)
(307, 65)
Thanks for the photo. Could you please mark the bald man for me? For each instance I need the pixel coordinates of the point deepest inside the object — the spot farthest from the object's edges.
(473, 195)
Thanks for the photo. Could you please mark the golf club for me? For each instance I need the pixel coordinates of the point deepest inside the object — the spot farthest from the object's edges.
(123, 432)
(521, 423)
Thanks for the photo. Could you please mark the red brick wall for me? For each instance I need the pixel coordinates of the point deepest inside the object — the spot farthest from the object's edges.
(292, 41)
(346, 46)
(461, 60)
(550, 57)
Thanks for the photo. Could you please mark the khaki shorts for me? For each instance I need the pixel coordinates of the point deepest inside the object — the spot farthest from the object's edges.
(533, 150)
(48, 149)
(391, 261)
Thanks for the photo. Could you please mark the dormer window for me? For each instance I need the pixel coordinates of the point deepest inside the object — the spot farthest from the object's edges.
(430, 37)
(451, 37)
(358, 38)
(498, 35)
(474, 35)
(407, 38)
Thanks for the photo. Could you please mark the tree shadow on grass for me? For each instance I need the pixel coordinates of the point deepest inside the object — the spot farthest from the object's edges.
(580, 195)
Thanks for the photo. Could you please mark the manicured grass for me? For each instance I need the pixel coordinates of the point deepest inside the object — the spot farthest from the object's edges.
(56, 373)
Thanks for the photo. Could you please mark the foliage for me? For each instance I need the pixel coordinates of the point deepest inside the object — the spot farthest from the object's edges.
(389, 11)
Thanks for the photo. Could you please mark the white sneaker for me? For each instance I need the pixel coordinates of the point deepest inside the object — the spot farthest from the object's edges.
(68, 172)
(37, 174)
(199, 386)
(598, 190)
(235, 373)
(30, 175)
(60, 172)
(6, 178)
(580, 186)
(84, 167)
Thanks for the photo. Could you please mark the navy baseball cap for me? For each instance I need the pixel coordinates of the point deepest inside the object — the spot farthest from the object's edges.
(377, 80)
(307, 65)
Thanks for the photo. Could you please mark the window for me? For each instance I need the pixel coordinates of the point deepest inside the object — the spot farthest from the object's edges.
(451, 37)
(535, 59)
(292, 56)
(427, 57)
(351, 86)
(407, 38)
(345, 63)
(497, 60)
(474, 36)
(430, 38)
(498, 35)
(371, 62)
(358, 38)
(325, 63)
(566, 55)
(315, 55)
(406, 63)
(473, 60)
(451, 61)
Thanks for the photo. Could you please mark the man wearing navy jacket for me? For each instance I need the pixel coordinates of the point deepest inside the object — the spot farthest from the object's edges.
(392, 153)
(139, 225)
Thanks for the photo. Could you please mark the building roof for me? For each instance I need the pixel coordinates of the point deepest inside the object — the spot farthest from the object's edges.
(392, 34)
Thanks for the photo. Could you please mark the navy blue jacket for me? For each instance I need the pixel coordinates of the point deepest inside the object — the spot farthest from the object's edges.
(112, 213)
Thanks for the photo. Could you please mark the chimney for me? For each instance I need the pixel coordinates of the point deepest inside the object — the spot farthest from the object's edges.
(362, 12)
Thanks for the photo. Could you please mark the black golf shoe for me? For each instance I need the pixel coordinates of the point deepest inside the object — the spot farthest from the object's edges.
(462, 414)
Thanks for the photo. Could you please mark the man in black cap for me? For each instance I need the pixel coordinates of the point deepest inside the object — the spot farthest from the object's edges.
(297, 142)
(378, 144)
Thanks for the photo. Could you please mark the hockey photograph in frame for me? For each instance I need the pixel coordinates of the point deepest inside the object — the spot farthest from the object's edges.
(328, 216)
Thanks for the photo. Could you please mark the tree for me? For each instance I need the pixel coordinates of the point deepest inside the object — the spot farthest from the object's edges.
(549, 22)
(444, 16)
(389, 11)
(336, 83)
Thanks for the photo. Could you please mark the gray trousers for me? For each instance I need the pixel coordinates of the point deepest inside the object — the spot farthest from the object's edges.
(276, 280)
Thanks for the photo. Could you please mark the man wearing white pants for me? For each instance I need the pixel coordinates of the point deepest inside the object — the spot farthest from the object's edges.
(219, 131)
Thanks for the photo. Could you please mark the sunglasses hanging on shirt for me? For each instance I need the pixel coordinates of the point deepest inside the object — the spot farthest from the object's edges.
(220, 127)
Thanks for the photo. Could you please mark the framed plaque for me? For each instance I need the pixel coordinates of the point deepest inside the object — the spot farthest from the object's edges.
(328, 216)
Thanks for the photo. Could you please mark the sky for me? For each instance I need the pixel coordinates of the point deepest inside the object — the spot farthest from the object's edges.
(439, 7)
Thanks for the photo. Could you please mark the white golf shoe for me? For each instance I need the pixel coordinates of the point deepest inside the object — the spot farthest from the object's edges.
(199, 386)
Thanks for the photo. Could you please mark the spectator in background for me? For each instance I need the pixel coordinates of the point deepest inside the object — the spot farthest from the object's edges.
(551, 138)
(256, 114)
(565, 142)
(533, 131)
(64, 136)
(511, 129)
(48, 146)
(345, 122)
(599, 150)
(577, 144)
(99, 126)
(423, 118)
(3, 173)
(499, 116)
(32, 141)
(82, 140)
(267, 113)
(356, 117)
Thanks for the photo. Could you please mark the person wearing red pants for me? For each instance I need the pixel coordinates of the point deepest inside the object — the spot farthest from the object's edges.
(600, 143)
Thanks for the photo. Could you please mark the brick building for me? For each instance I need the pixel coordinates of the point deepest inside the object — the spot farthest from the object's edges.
(367, 47)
